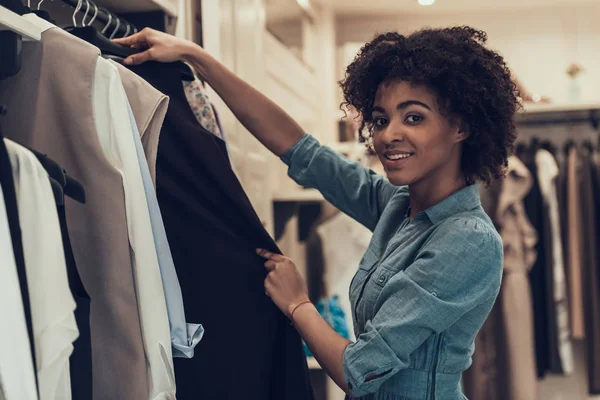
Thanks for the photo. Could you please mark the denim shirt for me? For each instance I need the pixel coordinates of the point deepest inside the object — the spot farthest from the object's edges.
(422, 290)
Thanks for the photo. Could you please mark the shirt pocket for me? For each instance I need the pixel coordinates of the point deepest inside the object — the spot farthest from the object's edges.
(367, 263)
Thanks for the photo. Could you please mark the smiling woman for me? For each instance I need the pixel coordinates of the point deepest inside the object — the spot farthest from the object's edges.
(437, 107)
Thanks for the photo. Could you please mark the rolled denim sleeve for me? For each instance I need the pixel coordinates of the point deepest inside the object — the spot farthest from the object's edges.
(458, 269)
(349, 186)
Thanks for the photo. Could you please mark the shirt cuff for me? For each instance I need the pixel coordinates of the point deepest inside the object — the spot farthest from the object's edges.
(368, 363)
(186, 350)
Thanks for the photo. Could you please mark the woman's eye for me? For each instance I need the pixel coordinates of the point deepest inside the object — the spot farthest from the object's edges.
(379, 122)
(413, 119)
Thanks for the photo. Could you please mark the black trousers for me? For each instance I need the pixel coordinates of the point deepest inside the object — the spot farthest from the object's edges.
(249, 350)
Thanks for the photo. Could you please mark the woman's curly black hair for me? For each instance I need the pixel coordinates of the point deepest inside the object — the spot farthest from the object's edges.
(471, 81)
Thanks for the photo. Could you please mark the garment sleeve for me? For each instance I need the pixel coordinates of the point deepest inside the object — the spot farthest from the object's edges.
(354, 189)
(457, 270)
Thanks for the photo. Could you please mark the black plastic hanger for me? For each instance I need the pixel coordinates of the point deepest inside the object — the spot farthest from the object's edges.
(68, 185)
(10, 53)
(59, 194)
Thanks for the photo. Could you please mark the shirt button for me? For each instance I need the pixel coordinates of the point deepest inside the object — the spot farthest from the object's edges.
(381, 279)
(434, 294)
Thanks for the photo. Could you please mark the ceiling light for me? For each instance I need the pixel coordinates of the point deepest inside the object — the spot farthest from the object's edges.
(426, 2)
(306, 3)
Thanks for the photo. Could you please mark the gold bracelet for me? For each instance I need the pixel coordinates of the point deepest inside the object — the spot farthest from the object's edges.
(295, 308)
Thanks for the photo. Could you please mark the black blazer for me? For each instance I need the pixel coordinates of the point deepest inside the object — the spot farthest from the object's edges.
(249, 350)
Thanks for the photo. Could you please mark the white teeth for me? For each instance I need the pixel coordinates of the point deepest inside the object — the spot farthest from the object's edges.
(395, 157)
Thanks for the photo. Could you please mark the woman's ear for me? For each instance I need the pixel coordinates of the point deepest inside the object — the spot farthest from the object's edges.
(463, 132)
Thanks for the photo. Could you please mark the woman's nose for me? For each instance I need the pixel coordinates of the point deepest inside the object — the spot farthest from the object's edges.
(394, 132)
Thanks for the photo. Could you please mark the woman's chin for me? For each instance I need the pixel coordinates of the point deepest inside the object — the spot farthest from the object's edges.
(396, 178)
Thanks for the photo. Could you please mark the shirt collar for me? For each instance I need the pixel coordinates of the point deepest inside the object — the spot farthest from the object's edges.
(465, 199)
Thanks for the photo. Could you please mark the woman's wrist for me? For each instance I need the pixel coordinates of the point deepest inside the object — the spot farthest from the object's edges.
(295, 307)
(199, 58)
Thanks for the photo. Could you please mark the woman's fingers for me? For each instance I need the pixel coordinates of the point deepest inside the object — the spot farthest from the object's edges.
(269, 255)
(139, 38)
(270, 265)
(139, 58)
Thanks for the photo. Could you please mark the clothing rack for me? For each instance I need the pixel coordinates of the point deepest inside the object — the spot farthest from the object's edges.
(551, 114)
(12, 21)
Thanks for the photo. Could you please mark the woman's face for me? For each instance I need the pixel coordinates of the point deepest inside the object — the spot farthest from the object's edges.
(411, 137)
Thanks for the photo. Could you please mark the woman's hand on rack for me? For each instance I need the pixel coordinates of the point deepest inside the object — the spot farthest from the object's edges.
(156, 46)
(284, 284)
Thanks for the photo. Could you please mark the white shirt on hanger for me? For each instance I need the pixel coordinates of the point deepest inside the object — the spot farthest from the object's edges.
(116, 137)
(52, 305)
(17, 378)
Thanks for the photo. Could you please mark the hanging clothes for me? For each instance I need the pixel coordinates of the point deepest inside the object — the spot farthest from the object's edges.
(213, 232)
(12, 211)
(52, 304)
(80, 361)
(149, 108)
(119, 146)
(17, 376)
(60, 88)
(575, 242)
(184, 337)
(547, 170)
(504, 361)
(515, 300)
(590, 198)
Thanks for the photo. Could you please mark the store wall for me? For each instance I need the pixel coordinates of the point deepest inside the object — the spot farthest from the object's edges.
(538, 43)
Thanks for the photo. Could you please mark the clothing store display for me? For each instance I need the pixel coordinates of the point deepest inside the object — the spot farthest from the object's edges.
(199, 102)
(574, 240)
(58, 85)
(111, 107)
(213, 232)
(17, 376)
(539, 274)
(52, 304)
(184, 337)
(405, 353)
(516, 333)
(547, 174)
(590, 197)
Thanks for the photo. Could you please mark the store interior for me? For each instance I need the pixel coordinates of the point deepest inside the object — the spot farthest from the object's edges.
(296, 51)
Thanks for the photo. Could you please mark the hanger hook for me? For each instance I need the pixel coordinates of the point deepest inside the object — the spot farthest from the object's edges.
(40, 4)
(79, 4)
(95, 14)
(116, 29)
(109, 21)
(87, 11)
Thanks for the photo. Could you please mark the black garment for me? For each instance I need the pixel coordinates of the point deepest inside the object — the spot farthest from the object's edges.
(538, 275)
(590, 197)
(250, 350)
(80, 362)
(12, 212)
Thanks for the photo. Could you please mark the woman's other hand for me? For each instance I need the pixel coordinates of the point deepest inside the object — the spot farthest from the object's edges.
(284, 284)
(155, 46)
